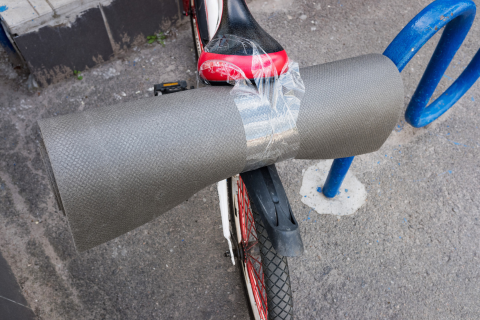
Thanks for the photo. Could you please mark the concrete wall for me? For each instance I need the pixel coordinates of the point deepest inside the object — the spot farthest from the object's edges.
(56, 37)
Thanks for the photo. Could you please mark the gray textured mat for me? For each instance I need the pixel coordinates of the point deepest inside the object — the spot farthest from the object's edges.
(350, 107)
(118, 167)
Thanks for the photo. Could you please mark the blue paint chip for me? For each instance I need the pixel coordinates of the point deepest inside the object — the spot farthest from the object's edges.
(319, 189)
(450, 171)
(3, 8)
(346, 190)
(473, 99)
(378, 162)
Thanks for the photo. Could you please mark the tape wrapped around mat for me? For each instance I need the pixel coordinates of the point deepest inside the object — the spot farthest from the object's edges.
(268, 99)
(115, 168)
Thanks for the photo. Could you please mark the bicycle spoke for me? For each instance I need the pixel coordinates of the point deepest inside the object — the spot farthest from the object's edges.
(249, 241)
(252, 245)
(260, 295)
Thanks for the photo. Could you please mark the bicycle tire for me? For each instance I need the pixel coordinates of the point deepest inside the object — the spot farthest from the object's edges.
(273, 300)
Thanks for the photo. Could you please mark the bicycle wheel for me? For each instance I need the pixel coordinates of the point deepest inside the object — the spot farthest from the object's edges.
(264, 271)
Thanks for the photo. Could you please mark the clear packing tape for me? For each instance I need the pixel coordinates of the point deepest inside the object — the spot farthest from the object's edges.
(269, 102)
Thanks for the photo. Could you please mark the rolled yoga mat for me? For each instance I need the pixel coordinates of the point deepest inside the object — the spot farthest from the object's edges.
(115, 168)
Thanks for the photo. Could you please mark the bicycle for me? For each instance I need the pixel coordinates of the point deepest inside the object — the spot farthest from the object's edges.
(260, 245)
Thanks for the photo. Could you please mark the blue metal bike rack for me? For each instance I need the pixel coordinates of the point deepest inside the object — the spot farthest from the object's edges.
(335, 177)
(457, 17)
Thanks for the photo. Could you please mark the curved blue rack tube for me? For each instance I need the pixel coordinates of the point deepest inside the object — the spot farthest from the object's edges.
(457, 18)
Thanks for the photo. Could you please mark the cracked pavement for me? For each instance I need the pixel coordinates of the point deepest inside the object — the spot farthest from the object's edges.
(411, 252)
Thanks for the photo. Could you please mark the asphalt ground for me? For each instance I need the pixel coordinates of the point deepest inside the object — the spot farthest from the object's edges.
(411, 252)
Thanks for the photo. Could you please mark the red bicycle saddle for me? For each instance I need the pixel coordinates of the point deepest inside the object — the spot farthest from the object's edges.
(231, 43)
